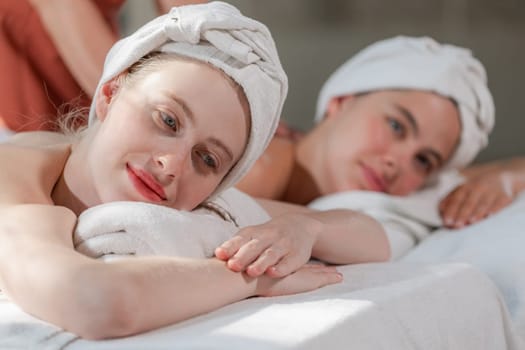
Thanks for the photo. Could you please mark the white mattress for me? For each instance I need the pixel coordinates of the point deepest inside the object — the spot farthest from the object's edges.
(379, 306)
(459, 289)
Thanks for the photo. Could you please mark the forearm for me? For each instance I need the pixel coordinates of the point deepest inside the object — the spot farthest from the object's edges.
(350, 237)
(81, 36)
(514, 168)
(99, 300)
(343, 236)
(166, 290)
(517, 169)
(42, 273)
(37, 262)
(516, 164)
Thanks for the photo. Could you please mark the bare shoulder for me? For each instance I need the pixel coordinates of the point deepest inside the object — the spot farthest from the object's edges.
(29, 173)
(270, 175)
(38, 138)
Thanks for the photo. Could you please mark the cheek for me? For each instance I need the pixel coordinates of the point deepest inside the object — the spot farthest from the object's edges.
(375, 137)
(408, 183)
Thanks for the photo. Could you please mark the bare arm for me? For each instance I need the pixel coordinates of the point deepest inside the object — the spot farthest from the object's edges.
(81, 36)
(96, 299)
(41, 272)
(515, 167)
(345, 236)
(297, 233)
(488, 188)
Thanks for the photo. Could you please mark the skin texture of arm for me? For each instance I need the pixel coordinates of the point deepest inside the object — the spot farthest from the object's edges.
(345, 236)
(81, 35)
(43, 274)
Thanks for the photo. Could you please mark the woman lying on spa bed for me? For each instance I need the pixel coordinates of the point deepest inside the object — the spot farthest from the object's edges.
(389, 119)
(387, 123)
(175, 121)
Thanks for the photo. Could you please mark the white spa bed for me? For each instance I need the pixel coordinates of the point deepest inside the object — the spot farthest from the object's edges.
(461, 289)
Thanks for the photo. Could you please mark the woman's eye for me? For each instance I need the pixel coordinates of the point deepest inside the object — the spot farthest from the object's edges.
(170, 121)
(396, 126)
(208, 160)
(424, 163)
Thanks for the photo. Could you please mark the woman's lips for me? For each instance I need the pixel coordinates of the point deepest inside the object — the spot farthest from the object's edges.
(145, 184)
(373, 180)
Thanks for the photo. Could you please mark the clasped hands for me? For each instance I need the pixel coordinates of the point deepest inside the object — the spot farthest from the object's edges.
(278, 248)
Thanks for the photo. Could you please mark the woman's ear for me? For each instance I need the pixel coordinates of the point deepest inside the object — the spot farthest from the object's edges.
(335, 105)
(104, 96)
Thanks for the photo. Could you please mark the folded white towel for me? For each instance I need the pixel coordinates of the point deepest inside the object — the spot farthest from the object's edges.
(135, 228)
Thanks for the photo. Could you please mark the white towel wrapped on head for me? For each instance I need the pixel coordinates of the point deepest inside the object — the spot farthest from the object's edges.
(134, 228)
(216, 33)
(421, 64)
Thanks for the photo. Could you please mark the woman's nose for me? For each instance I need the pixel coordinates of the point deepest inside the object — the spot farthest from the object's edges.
(390, 166)
(173, 165)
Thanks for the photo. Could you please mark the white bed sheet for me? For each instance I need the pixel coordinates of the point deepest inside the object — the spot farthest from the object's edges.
(495, 246)
(378, 306)
(460, 289)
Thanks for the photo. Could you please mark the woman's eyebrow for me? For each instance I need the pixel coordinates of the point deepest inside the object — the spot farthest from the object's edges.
(221, 145)
(436, 155)
(191, 117)
(415, 128)
(409, 117)
(187, 111)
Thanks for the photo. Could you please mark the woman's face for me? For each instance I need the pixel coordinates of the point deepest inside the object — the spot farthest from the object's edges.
(168, 137)
(386, 141)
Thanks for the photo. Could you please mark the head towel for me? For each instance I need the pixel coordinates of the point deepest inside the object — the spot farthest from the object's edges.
(216, 33)
(421, 64)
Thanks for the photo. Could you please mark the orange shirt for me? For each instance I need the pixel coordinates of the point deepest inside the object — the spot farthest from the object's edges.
(34, 81)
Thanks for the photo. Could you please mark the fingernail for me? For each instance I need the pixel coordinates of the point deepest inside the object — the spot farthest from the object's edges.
(233, 264)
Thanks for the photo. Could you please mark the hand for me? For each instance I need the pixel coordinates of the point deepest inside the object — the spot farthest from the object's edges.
(308, 277)
(476, 199)
(277, 247)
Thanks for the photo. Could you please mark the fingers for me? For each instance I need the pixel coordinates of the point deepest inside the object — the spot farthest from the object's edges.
(257, 257)
(248, 253)
(323, 275)
(307, 278)
(227, 249)
(500, 203)
(451, 205)
(286, 265)
(267, 259)
(491, 207)
(467, 206)
(472, 202)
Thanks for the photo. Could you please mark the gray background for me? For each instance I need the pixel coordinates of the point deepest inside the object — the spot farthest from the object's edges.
(315, 36)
